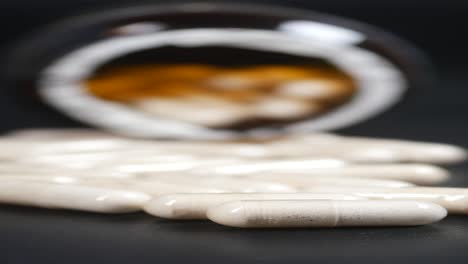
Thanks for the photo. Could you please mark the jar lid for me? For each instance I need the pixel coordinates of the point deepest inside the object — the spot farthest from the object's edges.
(216, 71)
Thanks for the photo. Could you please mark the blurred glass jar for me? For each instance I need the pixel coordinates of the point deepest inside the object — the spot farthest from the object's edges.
(216, 71)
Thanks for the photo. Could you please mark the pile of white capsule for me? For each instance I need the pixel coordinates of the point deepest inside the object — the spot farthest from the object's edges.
(314, 180)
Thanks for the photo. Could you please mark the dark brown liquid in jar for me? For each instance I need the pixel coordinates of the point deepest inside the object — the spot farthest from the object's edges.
(222, 87)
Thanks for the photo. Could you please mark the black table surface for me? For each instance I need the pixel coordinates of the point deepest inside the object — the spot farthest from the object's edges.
(31, 235)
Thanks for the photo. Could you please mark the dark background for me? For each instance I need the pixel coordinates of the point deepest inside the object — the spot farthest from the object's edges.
(437, 113)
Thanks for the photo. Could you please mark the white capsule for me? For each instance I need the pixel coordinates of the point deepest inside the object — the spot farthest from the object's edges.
(313, 213)
(455, 200)
(19, 168)
(415, 151)
(74, 197)
(371, 150)
(154, 188)
(148, 166)
(227, 183)
(194, 206)
(305, 181)
(79, 161)
(210, 150)
(33, 170)
(13, 149)
(40, 177)
(413, 173)
(311, 138)
(281, 166)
